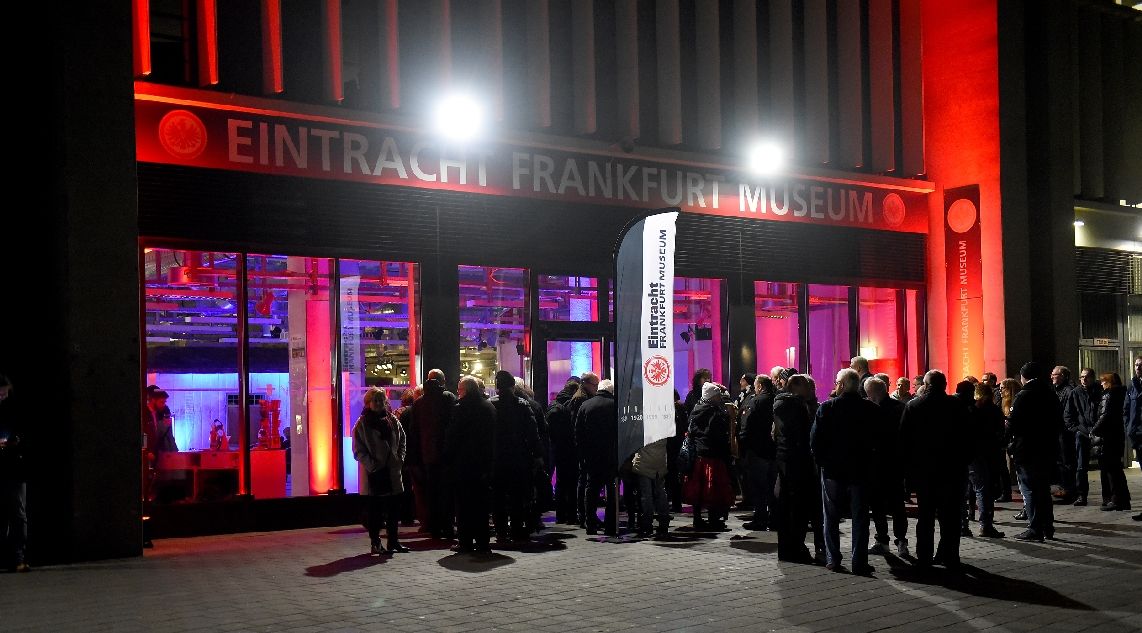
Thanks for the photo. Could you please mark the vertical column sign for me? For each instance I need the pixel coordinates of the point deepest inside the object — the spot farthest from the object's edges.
(644, 336)
(964, 265)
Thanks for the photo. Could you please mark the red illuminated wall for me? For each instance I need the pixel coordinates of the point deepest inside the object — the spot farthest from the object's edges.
(961, 137)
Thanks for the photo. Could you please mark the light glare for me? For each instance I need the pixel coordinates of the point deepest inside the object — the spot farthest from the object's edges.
(458, 117)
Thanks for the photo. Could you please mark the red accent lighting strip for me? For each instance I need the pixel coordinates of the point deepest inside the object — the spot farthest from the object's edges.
(141, 36)
(207, 42)
(334, 90)
(272, 78)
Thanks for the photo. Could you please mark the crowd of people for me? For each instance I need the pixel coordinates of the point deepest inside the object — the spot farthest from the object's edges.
(874, 446)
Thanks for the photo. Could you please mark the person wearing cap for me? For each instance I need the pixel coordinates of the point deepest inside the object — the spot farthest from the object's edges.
(429, 418)
(596, 434)
(517, 450)
(709, 483)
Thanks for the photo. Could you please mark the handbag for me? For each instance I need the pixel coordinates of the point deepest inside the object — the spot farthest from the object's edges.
(1096, 446)
(687, 455)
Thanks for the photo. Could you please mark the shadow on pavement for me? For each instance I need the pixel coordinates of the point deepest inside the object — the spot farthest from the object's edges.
(475, 563)
(350, 530)
(425, 544)
(977, 582)
(1109, 556)
(537, 545)
(351, 563)
(1095, 529)
(754, 547)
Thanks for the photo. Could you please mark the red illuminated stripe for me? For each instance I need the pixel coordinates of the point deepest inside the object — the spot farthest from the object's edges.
(207, 42)
(272, 82)
(141, 35)
(392, 58)
(334, 90)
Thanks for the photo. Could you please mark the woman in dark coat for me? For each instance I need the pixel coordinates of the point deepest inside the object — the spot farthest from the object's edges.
(709, 483)
(1111, 444)
(380, 446)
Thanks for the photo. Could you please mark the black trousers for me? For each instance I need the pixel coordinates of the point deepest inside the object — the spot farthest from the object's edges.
(13, 511)
(1113, 481)
(566, 482)
(511, 506)
(939, 499)
(887, 502)
(596, 481)
(473, 505)
(798, 506)
(383, 510)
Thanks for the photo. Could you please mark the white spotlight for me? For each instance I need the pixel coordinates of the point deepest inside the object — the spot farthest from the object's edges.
(1079, 223)
(458, 117)
(765, 158)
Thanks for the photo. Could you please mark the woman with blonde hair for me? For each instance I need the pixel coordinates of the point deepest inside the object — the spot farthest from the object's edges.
(380, 446)
(1007, 390)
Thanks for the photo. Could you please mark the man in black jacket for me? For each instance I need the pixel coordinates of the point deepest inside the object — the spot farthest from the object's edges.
(758, 452)
(1035, 423)
(887, 484)
(1080, 413)
(516, 454)
(469, 447)
(934, 436)
(798, 486)
(596, 433)
(13, 483)
(561, 428)
(430, 415)
(841, 439)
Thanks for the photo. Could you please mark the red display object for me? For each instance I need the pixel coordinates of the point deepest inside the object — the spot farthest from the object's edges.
(268, 473)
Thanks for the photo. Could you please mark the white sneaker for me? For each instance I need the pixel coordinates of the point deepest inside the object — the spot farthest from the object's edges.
(879, 549)
(902, 548)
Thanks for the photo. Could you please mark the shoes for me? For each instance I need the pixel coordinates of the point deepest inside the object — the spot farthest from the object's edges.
(1137, 517)
(902, 548)
(376, 549)
(1022, 516)
(592, 531)
(397, 548)
(1081, 501)
(754, 526)
(1029, 535)
(1124, 507)
(991, 532)
(462, 549)
(1108, 507)
(718, 526)
(966, 532)
(836, 567)
(863, 569)
(879, 549)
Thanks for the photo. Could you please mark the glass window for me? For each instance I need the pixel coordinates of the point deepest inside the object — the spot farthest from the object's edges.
(916, 342)
(379, 341)
(777, 326)
(880, 333)
(571, 358)
(493, 321)
(191, 329)
(697, 329)
(563, 298)
(828, 335)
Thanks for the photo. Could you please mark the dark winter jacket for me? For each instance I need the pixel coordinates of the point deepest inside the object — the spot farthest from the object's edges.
(1107, 428)
(1035, 422)
(1080, 412)
(791, 425)
(470, 440)
(597, 433)
(755, 430)
(987, 433)
(709, 430)
(430, 415)
(935, 437)
(380, 446)
(13, 429)
(886, 437)
(843, 436)
(1132, 413)
(561, 424)
(517, 437)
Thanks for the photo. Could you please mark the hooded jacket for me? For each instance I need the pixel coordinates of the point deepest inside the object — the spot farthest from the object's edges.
(710, 430)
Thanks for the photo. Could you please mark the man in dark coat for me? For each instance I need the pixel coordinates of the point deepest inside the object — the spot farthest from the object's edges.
(1035, 423)
(13, 482)
(934, 436)
(798, 487)
(430, 415)
(842, 440)
(1080, 413)
(596, 433)
(561, 428)
(1064, 451)
(887, 482)
(541, 474)
(759, 453)
(1132, 415)
(516, 453)
(469, 450)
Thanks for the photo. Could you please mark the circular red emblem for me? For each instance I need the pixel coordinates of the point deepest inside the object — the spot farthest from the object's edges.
(893, 209)
(656, 370)
(182, 134)
(962, 215)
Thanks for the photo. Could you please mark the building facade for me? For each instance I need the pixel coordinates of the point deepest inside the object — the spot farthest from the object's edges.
(256, 214)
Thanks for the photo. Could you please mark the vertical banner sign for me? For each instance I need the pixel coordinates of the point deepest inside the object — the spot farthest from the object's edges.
(352, 361)
(963, 259)
(644, 332)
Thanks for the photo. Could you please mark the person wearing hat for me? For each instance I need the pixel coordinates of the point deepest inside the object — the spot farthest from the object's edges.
(597, 436)
(709, 483)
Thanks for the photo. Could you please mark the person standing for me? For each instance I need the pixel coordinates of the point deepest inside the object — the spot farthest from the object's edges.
(1112, 444)
(986, 441)
(903, 391)
(430, 415)
(1132, 415)
(1034, 428)
(842, 440)
(859, 364)
(1080, 413)
(13, 483)
(649, 464)
(673, 446)
(588, 386)
(798, 487)
(759, 453)
(1007, 390)
(541, 495)
(380, 446)
(561, 428)
(934, 437)
(887, 481)
(596, 432)
(469, 450)
(1065, 449)
(515, 455)
(709, 483)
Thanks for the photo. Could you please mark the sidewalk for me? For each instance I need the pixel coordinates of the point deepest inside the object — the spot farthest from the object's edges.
(322, 580)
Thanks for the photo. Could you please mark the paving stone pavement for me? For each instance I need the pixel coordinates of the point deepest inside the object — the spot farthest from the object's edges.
(322, 580)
